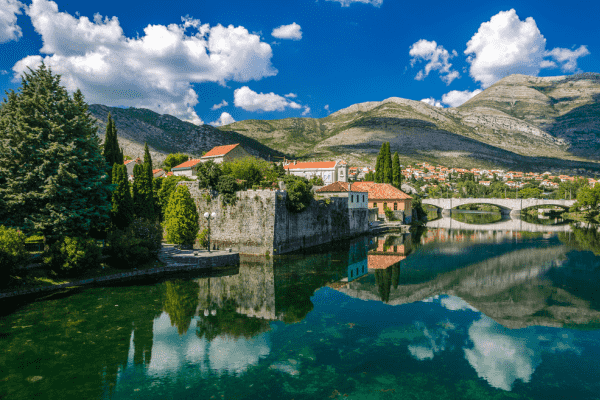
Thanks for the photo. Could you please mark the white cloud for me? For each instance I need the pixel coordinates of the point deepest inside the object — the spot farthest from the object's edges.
(292, 31)
(506, 45)
(567, 57)
(437, 58)
(156, 70)
(432, 102)
(221, 104)
(346, 3)
(455, 98)
(291, 95)
(327, 108)
(249, 100)
(224, 119)
(306, 110)
(9, 30)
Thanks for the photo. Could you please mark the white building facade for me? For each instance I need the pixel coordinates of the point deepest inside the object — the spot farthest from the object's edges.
(329, 171)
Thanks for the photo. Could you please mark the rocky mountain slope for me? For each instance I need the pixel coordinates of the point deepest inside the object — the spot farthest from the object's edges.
(166, 134)
(524, 122)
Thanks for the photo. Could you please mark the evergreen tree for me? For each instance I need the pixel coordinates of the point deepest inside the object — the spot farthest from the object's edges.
(173, 160)
(181, 217)
(52, 172)
(396, 172)
(379, 174)
(149, 181)
(112, 153)
(122, 203)
(387, 167)
(143, 201)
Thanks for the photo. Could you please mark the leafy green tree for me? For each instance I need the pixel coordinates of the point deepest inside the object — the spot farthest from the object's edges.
(589, 198)
(280, 170)
(396, 173)
(227, 187)
(166, 190)
(122, 203)
(299, 193)
(173, 160)
(316, 181)
(143, 201)
(208, 174)
(12, 252)
(181, 217)
(156, 186)
(387, 166)
(370, 176)
(530, 193)
(53, 176)
(252, 170)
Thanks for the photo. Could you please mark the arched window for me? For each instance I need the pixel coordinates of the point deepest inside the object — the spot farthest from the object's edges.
(384, 206)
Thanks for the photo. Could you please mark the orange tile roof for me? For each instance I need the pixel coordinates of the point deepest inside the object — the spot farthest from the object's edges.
(311, 165)
(379, 191)
(156, 170)
(220, 150)
(186, 165)
(383, 261)
(335, 187)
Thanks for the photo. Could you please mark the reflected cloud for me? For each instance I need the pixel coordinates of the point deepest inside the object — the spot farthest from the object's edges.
(434, 342)
(498, 357)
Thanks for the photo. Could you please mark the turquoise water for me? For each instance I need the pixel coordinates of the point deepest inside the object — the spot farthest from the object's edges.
(440, 314)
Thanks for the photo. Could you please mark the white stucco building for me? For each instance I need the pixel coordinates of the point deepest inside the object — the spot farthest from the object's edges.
(330, 171)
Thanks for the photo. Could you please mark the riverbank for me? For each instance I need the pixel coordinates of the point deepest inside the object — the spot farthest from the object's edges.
(170, 259)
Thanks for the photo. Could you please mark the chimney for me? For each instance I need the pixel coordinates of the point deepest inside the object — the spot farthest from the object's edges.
(294, 162)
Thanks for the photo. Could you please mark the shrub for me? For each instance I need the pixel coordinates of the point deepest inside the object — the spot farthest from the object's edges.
(299, 193)
(389, 214)
(70, 256)
(138, 243)
(203, 238)
(12, 252)
(181, 218)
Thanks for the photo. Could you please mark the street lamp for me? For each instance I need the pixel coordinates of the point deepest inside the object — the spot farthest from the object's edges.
(208, 218)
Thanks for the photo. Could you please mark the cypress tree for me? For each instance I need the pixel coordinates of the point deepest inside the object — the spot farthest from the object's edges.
(181, 217)
(387, 169)
(52, 172)
(143, 201)
(150, 189)
(379, 174)
(112, 153)
(396, 173)
(122, 204)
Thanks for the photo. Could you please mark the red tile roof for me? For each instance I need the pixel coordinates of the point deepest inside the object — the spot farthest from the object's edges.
(379, 191)
(311, 165)
(383, 261)
(335, 187)
(187, 164)
(156, 170)
(220, 150)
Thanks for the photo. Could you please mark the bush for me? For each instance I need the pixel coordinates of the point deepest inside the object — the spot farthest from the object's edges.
(12, 252)
(70, 256)
(137, 244)
(181, 218)
(299, 193)
(389, 214)
(203, 238)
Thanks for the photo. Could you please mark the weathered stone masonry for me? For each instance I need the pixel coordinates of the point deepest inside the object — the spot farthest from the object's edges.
(259, 222)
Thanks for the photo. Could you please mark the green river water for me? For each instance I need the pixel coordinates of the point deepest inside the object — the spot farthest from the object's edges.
(437, 314)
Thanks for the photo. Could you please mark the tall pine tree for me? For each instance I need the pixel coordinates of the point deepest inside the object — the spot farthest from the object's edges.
(148, 167)
(112, 153)
(143, 201)
(396, 172)
(122, 203)
(387, 168)
(379, 174)
(52, 172)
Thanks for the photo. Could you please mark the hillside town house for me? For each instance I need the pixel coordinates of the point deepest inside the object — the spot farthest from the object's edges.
(384, 195)
(217, 154)
(356, 199)
(329, 171)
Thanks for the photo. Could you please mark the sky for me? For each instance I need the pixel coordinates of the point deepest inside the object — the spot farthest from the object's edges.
(216, 62)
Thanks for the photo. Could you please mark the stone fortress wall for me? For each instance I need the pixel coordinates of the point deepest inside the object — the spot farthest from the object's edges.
(260, 223)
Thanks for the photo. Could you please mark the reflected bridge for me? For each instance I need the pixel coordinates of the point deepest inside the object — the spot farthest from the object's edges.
(504, 225)
(507, 206)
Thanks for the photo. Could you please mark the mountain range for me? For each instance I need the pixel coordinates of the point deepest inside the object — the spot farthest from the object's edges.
(521, 122)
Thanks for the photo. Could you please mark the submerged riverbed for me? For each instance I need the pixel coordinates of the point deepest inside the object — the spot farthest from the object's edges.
(435, 314)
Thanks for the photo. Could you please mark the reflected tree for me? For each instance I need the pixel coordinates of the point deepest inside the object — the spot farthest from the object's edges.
(180, 301)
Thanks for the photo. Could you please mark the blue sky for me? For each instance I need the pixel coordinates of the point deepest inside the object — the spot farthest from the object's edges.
(219, 61)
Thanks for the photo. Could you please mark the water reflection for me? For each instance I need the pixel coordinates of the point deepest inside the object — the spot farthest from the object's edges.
(494, 310)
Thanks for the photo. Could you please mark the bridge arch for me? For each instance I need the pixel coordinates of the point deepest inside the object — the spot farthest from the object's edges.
(510, 205)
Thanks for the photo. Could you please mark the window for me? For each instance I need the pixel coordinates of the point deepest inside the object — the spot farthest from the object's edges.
(374, 205)
(395, 206)
(363, 197)
(384, 206)
(352, 198)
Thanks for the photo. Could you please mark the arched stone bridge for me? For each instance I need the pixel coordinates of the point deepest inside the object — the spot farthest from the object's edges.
(512, 206)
